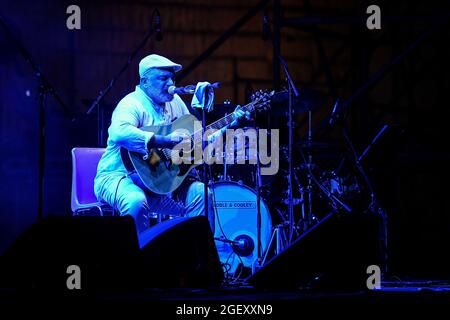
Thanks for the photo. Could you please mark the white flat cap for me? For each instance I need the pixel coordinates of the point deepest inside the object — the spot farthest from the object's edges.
(156, 61)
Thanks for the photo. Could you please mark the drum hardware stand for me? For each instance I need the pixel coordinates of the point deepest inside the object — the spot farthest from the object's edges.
(279, 235)
(278, 231)
(370, 83)
(302, 198)
(336, 202)
(258, 202)
(295, 201)
(308, 217)
(291, 89)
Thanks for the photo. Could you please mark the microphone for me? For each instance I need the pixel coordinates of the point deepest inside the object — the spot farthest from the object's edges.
(334, 114)
(221, 239)
(157, 22)
(190, 89)
(242, 245)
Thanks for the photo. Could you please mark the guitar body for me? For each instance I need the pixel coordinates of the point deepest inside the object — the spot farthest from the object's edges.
(158, 173)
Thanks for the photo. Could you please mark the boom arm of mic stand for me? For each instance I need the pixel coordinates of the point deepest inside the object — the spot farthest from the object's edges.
(205, 172)
(288, 75)
(372, 143)
(44, 88)
(102, 93)
(43, 81)
(356, 161)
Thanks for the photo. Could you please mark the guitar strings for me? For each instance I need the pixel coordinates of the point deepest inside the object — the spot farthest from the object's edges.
(217, 124)
(222, 122)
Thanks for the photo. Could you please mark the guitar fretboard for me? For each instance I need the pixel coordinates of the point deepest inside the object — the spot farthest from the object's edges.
(225, 121)
(197, 136)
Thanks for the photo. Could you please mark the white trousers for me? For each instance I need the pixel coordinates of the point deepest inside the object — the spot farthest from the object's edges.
(127, 196)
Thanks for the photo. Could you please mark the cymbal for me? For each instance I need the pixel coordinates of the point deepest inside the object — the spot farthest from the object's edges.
(308, 100)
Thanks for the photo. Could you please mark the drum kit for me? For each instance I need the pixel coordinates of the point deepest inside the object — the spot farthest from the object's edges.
(236, 189)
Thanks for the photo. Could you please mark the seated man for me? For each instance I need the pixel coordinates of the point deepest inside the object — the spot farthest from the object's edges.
(149, 104)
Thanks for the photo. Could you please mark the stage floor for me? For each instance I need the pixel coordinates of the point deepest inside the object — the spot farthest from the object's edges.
(399, 297)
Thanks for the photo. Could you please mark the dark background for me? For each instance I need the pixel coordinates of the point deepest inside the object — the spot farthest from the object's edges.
(335, 57)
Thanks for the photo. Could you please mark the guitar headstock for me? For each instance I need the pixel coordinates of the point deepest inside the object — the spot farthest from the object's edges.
(261, 99)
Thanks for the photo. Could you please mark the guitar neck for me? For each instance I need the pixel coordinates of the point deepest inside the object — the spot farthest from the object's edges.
(261, 100)
(228, 119)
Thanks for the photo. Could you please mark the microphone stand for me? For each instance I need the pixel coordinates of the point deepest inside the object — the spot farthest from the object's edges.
(102, 93)
(205, 171)
(374, 206)
(44, 89)
(291, 88)
(258, 199)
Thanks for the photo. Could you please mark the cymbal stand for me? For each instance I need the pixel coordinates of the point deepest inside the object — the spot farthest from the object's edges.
(296, 201)
(301, 200)
(307, 217)
(291, 90)
(309, 213)
(337, 204)
(280, 238)
(258, 200)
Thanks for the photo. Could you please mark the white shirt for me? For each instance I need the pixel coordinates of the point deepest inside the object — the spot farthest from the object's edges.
(134, 111)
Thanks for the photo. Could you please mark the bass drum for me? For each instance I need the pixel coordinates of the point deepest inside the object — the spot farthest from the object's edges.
(236, 226)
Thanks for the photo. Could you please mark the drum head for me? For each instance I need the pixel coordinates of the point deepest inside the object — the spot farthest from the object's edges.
(236, 224)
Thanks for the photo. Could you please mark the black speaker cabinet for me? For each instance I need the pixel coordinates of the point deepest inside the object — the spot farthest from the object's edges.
(334, 254)
(105, 249)
(110, 255)
(180, 253)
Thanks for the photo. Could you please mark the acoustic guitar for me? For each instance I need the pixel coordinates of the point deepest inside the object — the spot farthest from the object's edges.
(157, 171)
